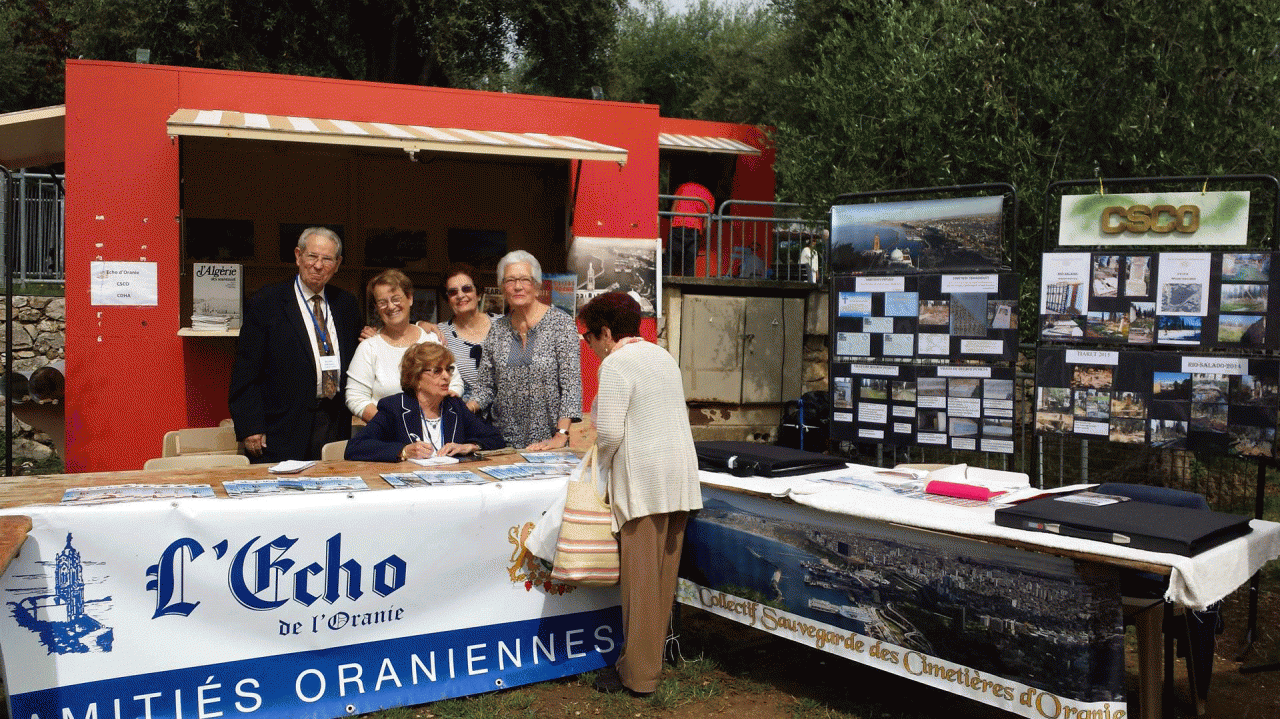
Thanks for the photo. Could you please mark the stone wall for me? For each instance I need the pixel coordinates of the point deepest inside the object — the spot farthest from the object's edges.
(39, 338)
(40, 331)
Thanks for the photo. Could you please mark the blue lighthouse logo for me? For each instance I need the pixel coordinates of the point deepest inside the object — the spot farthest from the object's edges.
(61, 617)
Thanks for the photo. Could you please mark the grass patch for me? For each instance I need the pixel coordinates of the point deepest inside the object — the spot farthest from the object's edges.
(691, 681)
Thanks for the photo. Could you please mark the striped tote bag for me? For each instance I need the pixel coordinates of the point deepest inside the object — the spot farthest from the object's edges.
(587, 550)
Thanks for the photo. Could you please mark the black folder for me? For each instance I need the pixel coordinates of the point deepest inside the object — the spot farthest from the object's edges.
(766, 460)
(1141, 525)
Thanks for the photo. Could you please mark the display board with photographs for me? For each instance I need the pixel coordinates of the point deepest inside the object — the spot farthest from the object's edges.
(964, 407)
(1215, 403)
(1160, 299)
(938, 317)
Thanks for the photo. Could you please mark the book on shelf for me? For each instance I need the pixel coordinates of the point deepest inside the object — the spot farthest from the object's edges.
(217, 296)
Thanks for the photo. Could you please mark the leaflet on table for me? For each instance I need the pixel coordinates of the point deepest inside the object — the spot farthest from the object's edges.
(550, 457)
(247, 487)
(427, 479)
(527, 470)
(134, 493)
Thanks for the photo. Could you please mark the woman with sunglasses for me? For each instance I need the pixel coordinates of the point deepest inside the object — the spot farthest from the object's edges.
(530, 374)
(465, 332)
(424, 420)
(374, 372)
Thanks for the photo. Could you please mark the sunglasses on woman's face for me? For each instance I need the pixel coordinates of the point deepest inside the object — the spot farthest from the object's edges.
(465, 289)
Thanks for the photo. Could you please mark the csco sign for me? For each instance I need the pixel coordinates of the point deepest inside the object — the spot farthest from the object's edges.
(1142, 218)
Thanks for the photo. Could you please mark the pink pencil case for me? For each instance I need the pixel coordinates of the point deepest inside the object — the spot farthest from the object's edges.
(960, 491)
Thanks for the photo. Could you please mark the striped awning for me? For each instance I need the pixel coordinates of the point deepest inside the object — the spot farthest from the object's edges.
(410, 138)
(667, 141)
(32, 138)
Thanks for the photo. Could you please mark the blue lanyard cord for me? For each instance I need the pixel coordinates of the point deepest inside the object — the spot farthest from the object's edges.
(321, 332)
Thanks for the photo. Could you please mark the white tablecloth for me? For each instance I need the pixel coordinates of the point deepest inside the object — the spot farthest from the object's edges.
(1193, 582)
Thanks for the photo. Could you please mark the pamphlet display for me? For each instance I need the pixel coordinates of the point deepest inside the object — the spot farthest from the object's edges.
(217, 295)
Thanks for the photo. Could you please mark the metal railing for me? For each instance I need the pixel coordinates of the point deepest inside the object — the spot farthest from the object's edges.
(39, 239)
(755, 240)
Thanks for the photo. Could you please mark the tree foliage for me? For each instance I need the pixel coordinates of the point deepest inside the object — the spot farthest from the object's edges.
(716, 62)
(900, 94)
(449, 43)
(34, 40)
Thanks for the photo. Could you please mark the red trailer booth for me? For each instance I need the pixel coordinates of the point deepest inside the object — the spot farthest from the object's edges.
(171, 166)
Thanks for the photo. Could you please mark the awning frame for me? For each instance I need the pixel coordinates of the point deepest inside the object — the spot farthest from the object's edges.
(412, 139)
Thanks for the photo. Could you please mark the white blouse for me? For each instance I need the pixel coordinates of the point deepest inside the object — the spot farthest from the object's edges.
(374, 372)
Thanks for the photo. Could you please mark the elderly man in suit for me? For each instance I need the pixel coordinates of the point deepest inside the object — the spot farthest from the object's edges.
(295, 344)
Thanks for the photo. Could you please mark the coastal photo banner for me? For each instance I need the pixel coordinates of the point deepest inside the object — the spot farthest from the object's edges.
(957, 234)
(291, 606)
(1033, 634)
(1192, 219)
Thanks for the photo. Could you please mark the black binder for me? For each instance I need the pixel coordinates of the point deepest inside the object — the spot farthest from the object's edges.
(766, 460)
(1141, 525)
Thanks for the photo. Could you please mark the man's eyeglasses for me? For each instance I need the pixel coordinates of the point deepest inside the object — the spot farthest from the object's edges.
(435, 371)
(392, 300)
(511, 281)
(455, 291)
(314, 259)
(586, 336)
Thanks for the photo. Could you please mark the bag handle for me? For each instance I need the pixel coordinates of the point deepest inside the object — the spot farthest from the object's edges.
(592, 458)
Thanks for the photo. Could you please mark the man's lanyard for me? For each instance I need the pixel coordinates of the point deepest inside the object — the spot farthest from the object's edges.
(321, 332)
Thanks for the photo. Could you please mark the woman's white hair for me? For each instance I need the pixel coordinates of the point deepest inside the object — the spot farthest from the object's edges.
(516, 257)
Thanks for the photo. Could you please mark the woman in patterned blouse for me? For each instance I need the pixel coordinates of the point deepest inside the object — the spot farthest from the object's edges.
(530, 374)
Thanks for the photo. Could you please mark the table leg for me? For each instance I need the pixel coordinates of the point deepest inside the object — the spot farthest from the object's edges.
(1150, 623)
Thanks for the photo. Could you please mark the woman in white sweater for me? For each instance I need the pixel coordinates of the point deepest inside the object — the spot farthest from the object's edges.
(643, 437)
(374, 372)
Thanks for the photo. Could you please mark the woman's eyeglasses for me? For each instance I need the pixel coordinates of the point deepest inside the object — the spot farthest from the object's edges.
(455, 291)
(435, 371)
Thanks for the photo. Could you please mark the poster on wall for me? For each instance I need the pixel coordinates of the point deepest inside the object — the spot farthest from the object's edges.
(917, 236)
(1192, 219)
(1215, 403)
(927, 316)
(963, 407)
(612, 264)
(1170, 299)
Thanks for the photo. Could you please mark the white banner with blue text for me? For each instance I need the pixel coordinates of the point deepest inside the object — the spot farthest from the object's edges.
(297, 606)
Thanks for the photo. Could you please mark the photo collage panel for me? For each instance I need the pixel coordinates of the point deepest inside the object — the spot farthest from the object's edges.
(938, 317)
(1218, 403)
(967, 407)
(1159, 299)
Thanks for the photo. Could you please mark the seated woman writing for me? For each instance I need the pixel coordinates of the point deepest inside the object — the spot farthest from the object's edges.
(424, 420)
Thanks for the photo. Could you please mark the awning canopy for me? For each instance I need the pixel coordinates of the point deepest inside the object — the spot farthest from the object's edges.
(33, 138)
(668, 141)
(410, 138)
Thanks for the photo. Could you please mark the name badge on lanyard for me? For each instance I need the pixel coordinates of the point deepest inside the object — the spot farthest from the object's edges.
(329, 362)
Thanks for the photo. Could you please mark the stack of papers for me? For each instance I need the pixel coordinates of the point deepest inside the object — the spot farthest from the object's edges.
(527, 470)
(550, 457)
(250, 487)
(427, 479)
(134, 492)
(209, 323)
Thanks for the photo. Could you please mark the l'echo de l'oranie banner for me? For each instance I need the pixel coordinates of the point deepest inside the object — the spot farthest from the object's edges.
(1155, 219)
(298, 606)
(1036, 635)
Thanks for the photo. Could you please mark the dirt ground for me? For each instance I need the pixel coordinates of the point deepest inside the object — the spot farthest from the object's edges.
(763, 677)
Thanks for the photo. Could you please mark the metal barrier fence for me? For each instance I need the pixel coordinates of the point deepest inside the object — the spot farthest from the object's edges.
(1056, 460)
(766, 245)
(38, 223)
